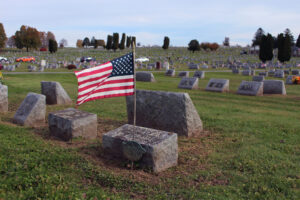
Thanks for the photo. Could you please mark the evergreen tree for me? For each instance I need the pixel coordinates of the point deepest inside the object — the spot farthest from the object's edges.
(266, 48)
(133, 40)
(128, 41)
(257, 37)
(298, 42)
(109, 42)
(115, 44)
(289, 33)
(166, 43)
(275, 45)
(93, 41)
(86, 42)
(122, 43)
(194, 46)
(52, 46)
(226, 42)
(3, 37)
(284, 47)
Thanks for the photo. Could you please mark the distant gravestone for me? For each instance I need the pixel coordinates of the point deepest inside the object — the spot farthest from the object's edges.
(170, 72)
(166, 65)
(263, 74)
(199, 74)
(218, 85)
(286, 71)
(271, 72)
(43, 63)
(183, 74)
(251, 88)
(3, 98)
(71, 123)
(145, 77)
(295, 72)
(193, 66)
(32, 110)
(154, 149)
(188, 83)
(55, 93)
(279, 74)
(252, 73)
(235, 71)
(274, 87)
(168, 111)
(204, 66)
(258, 78)
(246, 72)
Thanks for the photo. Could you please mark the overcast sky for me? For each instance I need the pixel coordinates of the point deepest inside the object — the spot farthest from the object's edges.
(150, 21)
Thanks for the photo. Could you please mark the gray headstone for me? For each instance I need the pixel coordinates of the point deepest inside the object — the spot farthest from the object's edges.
(258, 78)
(235, 71)
(274, 87)
(246, 72)
(43, 63)
(193, 66)
(32, 110)
(188, 83)
(279, 74)
(218, 85)
(286, 71)
(263, 74)
(168, 111)
(145, 77)
(183, 74)
(170, 72)
(71, 123)
(251, 88)
(166, 65)
(199, 74)
(3, 98)
(55, 93)
(161, 148)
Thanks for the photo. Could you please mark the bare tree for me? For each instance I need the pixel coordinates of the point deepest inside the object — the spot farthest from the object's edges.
(63, 43)
(11, 42)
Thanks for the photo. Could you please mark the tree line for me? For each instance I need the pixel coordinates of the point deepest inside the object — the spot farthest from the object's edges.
(267, 43)
(113, 42)
(30, 38)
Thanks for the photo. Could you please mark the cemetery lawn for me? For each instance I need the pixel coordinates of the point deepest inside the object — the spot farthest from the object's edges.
(249, 149)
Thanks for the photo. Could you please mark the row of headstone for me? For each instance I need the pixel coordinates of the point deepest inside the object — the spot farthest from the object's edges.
(259, 88)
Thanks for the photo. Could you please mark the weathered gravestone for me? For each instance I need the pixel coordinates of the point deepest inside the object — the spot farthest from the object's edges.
(271, 72)
(71, 123)
(3, 98)
(199, 74)
(274, 87)
(258, 78)
(188, 83)
(263, 74)
(170, 72)
(55, 93)
(286, 71)
(279, 74)
(193, 66)
(155, 149)
(252, 73)
(218, 85)
(145, 77)
(183, 74)
(168, 111)
(251, 88)
(32, 110)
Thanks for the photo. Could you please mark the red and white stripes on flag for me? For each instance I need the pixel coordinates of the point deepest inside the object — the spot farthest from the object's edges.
(111, 79)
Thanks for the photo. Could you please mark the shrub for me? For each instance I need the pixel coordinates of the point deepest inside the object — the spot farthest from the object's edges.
(71, 66)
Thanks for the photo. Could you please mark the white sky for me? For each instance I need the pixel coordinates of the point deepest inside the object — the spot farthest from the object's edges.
(150, 21)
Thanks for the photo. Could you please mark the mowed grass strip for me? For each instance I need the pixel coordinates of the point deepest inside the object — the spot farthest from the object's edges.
(249, 150)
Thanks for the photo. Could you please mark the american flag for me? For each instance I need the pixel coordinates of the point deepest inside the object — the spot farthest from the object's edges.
(111, 79)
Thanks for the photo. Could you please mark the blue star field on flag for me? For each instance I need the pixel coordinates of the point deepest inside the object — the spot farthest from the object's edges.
(123, 66)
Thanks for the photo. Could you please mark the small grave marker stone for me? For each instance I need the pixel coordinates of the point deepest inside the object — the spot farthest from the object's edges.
(188, 83)
(218, 85)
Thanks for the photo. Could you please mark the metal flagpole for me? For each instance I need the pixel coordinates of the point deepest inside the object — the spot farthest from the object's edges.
(134, 98)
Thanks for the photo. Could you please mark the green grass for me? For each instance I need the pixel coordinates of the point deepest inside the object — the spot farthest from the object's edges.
(249, 150)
